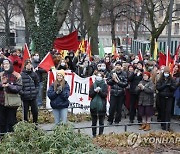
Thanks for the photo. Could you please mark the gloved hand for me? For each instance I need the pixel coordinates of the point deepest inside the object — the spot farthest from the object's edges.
(59, 90)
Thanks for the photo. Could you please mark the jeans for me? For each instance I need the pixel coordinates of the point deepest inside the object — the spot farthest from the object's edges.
(60, 115)
(39, 96)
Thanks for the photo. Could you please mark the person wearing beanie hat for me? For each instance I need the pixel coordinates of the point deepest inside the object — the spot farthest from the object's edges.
(29, 92)
(146, 90)
(11, 83)
(166, 86)
(58, 94)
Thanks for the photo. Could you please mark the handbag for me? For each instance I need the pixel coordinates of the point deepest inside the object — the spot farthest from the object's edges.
(12, 100)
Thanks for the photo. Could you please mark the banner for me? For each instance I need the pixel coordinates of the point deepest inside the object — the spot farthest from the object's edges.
(79, 91)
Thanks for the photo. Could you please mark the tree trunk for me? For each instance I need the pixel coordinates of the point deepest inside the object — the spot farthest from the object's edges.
(7, 28)
(27, 35)
(92, 22)
(113, 29)
(136, 32)
(94, 40)
(152, 44)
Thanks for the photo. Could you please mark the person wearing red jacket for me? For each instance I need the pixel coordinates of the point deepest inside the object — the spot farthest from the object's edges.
(16, 60)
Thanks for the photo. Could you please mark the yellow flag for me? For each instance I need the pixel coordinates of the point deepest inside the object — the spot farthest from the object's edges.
(82, 46)
(155, 51)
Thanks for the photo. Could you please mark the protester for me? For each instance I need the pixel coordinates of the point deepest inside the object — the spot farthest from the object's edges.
(146, 100)
(58, 94)
(16, 60)
(62, 65)
(166, 86)
(11, 83)
(117, 81)
(39, 71)
(29, 92)
(98, 93)
(134, 79)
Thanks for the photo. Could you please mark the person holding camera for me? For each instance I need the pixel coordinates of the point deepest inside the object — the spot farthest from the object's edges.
(118, 82)
(98, 92)
(58, 94)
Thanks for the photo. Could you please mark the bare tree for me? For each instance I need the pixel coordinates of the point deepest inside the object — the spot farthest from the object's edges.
(75, 18)
(112, 10)
(21, 5)
(8, 11)
(92, 20)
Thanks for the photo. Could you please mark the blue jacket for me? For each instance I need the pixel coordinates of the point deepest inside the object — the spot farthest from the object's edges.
(59, 101)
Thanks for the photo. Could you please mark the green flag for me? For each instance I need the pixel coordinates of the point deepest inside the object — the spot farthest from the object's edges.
(32, 47)
(101, 50)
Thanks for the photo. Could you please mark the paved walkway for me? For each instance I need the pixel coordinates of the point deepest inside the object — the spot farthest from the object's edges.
(116, 129)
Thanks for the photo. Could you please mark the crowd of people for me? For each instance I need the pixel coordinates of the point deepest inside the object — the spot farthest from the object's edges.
(144, 87)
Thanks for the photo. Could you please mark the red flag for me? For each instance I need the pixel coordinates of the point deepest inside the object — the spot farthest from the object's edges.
(51, 78)
(162, 59)
(140, 55)
(176, 55)
(26, 55)
(168, 58)
(47, 62)
(68, 42)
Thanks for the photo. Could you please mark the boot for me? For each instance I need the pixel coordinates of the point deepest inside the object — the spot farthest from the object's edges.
(142, 126)
(147, 128)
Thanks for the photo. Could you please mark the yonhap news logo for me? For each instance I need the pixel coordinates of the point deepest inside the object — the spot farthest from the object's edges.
(135, 140)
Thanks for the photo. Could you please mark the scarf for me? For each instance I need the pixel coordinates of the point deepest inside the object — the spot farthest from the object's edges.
(96, 102)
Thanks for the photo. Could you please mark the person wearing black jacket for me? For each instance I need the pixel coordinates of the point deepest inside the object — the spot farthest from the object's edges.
(134, 79)
(98, 92)
(29, 92)
(118, 81)
(40, 72)
(166, 86)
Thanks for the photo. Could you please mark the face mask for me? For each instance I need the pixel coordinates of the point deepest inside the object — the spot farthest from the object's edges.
(166, 74)
(150, 68)
(98, 78)
(62, 64)
(145, 61)
(103, 68)
(36, 57)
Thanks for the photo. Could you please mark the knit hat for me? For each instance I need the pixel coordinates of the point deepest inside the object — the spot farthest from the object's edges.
(60, 72)
(147, 73)
(166, 69)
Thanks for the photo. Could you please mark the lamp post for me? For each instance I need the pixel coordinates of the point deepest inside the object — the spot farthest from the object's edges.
(127, 40)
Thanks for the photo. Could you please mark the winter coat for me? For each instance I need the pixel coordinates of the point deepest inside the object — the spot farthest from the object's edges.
(59, 101)
(146, 96)
(17, 62)
(15, 84)
(134, 80)
(30, 84)
(166, 87)
(103, 94)
(117, 89)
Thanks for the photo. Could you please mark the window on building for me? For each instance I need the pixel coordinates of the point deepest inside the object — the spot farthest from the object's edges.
(176, 28)
(177, 13)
